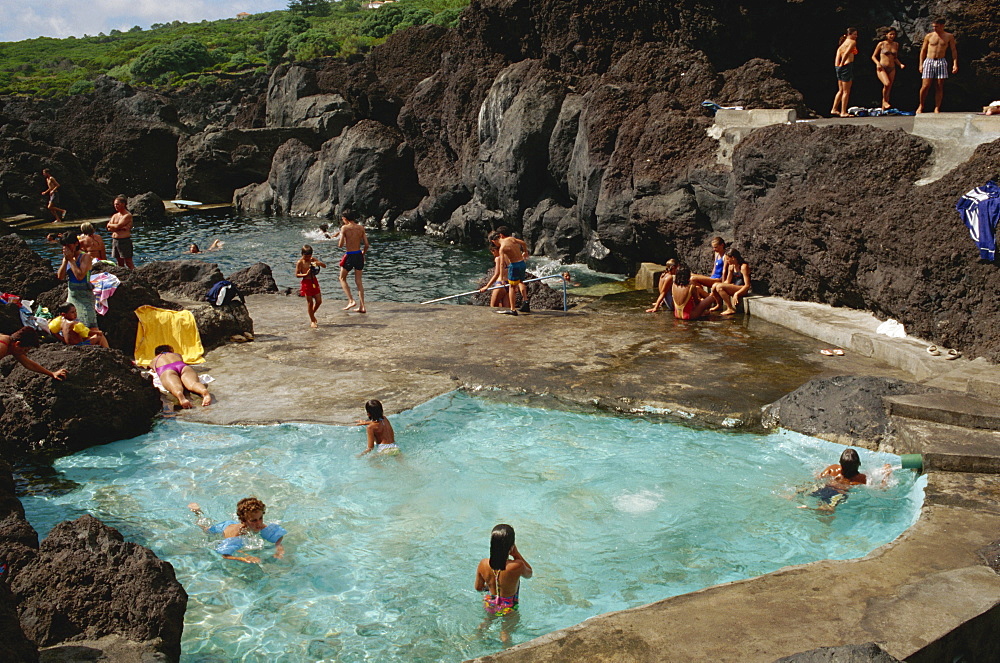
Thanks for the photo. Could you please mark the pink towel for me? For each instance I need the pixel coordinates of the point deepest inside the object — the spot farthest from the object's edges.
(105, 285)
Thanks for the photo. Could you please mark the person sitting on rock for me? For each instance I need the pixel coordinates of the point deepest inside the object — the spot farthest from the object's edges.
(18, 344)
(176, 376)
(689, 304)
(735, 285)
(71, 331)
(666, 284)
(239, 535)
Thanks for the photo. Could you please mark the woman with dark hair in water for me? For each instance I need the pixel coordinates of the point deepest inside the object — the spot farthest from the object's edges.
(381, 437)
(499, 575)
(688, 303)
(843, 63)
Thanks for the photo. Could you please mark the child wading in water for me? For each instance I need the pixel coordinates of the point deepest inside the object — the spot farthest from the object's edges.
(306, 269)
(250, 512)
(381, 437)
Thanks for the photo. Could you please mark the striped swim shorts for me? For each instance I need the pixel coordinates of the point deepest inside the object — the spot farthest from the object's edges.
(935, 68)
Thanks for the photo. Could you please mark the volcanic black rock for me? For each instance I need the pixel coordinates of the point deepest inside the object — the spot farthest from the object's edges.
(103, 398)
(87, 582)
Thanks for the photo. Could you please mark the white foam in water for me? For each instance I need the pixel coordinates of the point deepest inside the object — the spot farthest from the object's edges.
(640, 502)
(387, 547)
(317, 236)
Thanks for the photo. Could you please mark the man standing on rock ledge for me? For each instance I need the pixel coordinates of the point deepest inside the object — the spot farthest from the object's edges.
(120, 226)
(355, 240)
(934, 64)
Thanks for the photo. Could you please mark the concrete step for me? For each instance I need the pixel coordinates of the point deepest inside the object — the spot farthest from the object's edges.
(947, 448)
(954, 409)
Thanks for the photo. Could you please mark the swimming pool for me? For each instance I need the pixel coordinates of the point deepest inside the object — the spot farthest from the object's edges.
(611, 512)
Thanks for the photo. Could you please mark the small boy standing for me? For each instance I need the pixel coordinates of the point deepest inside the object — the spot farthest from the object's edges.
(307, 268)
(513, 251)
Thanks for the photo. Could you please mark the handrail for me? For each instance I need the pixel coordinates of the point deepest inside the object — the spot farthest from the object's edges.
(497, 287)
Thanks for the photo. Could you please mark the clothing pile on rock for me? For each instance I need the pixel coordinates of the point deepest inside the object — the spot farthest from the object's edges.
(980, 210)
(858, 111)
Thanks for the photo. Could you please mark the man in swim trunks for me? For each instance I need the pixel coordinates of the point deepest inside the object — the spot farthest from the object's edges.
(52, 191)
(513, 251)
(307, 269)
(120, 226)
(934, 64)
(353, 238)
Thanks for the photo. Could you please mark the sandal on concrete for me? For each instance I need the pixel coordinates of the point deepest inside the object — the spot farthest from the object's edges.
(828, 353)
(953, 354)
(933, 349)
(838, 352)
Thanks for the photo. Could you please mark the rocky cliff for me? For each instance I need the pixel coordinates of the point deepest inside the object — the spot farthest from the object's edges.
(84, 592)
(578, 124)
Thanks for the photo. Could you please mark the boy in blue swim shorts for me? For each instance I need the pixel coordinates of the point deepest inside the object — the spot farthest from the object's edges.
(513, 251)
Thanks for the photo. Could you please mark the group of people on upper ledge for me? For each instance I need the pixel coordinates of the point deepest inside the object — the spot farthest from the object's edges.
(933, 65)
(694, 296)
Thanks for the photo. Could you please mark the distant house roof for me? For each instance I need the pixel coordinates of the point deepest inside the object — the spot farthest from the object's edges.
(242, 15)
(375, 4)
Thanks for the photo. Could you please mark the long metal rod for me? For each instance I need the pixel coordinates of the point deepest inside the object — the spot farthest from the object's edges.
(497, 287)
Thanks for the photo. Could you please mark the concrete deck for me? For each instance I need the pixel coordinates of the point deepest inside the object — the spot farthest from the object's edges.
(925, 597)
(954, 136)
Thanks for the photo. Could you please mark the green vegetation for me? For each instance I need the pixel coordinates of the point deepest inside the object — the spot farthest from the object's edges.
(180, 53)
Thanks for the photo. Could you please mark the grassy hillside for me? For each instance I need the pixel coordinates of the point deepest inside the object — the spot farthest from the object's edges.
(177, 53)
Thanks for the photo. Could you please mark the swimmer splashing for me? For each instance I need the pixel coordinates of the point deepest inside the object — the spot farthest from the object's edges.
(239, 535)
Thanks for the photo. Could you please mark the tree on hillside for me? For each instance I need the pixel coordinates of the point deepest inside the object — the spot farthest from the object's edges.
(277, 38)
(313, 43)
(309, 7)
(385, 20)
(181, 56)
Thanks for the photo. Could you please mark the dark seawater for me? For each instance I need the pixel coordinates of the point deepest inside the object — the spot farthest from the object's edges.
(401, 267)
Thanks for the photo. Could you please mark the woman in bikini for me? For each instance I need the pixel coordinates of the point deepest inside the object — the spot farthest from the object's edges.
(843, 63)
(499, 575)
(688, 303)
(886, 59)
(18, 344)
(177, 376)
(736, 283)
(381, 437)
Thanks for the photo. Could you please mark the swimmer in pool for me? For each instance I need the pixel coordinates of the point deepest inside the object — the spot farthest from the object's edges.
(840, 478)
(499, 575)
(381, 437)
(250, 512)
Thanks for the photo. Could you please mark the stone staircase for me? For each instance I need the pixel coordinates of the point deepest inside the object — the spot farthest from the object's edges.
(954, 432)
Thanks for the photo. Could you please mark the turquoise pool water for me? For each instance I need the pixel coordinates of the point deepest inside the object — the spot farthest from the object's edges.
(401, 267)
(381, 552)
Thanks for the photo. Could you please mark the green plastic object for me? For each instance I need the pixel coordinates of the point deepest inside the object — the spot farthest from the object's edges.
(912, 462)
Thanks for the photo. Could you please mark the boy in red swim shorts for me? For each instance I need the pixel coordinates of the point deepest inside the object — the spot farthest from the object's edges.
(307, 268)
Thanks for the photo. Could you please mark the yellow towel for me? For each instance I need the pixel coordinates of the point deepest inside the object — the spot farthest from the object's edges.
(159, 326)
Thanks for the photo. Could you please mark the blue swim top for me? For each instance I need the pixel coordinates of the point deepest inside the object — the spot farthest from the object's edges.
(272, 534)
